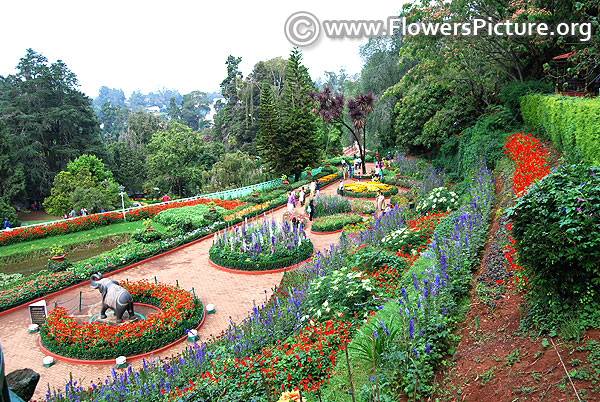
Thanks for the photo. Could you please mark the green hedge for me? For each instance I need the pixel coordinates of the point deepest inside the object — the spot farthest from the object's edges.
(302, 253)
(573, 124)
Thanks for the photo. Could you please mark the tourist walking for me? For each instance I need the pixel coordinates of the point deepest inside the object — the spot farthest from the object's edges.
(6, 224)
(313, 188)
(73, 214)
(318, 186)
(341, 188)
(301, 196)
(311, 209)
(380, 201)
(291, 201)
(165, 198)
(83, 211)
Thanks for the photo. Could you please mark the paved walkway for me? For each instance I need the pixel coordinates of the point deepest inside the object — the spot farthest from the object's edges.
(232, 294)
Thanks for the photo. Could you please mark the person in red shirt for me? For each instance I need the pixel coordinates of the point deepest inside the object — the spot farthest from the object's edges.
(165, 198)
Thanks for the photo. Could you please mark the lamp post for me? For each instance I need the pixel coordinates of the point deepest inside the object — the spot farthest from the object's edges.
(122, 193)
(258, 165)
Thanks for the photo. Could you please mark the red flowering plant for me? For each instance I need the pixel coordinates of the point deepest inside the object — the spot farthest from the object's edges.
(91, 221)
(303, 361)
(22, 291)
(180, 311)
(529, 158)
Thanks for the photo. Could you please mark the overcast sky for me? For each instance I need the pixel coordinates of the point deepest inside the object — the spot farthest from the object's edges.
(183, 45)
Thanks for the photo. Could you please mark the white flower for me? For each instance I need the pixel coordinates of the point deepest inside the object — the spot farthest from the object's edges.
(319, 313)
(326, 303)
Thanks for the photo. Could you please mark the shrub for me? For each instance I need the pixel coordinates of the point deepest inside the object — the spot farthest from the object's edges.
(59, 266)
(555, 226)
(146, 237)
(573, 124)
(340, 292)
(511, 94)
(439, 199)
(8, 212)
(335, 222)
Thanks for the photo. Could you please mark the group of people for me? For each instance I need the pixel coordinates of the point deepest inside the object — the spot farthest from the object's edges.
(302, 196)
(82, 211)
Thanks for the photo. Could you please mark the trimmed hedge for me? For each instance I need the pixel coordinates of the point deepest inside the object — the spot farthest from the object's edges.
(302, 253)
(573, 124)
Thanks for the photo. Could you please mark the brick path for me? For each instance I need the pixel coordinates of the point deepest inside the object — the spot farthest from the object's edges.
(232, 294)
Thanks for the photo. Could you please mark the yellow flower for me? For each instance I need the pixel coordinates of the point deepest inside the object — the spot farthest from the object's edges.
(289, 396)
(367, 187)
(326, 179)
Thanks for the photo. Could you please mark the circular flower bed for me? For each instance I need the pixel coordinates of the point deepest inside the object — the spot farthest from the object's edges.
(368, 190)
(335, 222)
(180, 311)
(261, 247)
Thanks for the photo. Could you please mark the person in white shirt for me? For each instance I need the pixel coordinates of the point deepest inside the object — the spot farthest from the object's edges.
(301, 195)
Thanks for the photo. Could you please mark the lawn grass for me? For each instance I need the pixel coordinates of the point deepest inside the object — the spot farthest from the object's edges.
(34, 248)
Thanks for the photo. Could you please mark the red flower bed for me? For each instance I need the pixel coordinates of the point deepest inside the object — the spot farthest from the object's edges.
(91, 221)
(39, 286)
(530, 160)
(180, 311)
(305, 362)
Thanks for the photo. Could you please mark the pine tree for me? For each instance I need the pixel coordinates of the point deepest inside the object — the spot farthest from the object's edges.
(299, 131)
(268, 130)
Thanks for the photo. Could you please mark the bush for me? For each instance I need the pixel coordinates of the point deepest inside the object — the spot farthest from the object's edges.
(335, 222)
(555, 226)
(58, 266)
(371, 258)
(363, 206)
(439, 199)
(340, 292)
(7, 211)
(146, 237)
(573, 124)
(511, 94)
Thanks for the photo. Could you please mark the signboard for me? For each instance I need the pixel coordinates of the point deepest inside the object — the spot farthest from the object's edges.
(37, 312)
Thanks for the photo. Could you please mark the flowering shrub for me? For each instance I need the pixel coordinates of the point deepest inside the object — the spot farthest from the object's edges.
(180, 311)
(330, 205)
(529, 158)
(192, 215)
(368, 189)
(363, 206)
(255, 209)
(257, 247)
(342, 292)
(413, 239)
(334, 222)
(91, 221)
(439, 199)
(555, 226)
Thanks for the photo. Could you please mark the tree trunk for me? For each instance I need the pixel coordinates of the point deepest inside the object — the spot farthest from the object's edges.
(364, 152)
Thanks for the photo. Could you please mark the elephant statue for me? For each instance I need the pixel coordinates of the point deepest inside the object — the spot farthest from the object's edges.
(114, 297)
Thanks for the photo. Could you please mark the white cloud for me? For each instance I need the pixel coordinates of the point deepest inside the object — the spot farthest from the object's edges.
(132, 44)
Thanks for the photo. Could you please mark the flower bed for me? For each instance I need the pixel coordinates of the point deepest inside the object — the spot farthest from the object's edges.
(91, 221)
(180, 311)
(335, 222)
(363, 206)
(368, 190)
(330, 205)
(36, 286)
(415, 238)
(530, 160)
(300, 218)
(328, 179)
(261, 247)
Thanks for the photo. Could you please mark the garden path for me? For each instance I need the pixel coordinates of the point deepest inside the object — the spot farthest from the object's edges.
(232, 294)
